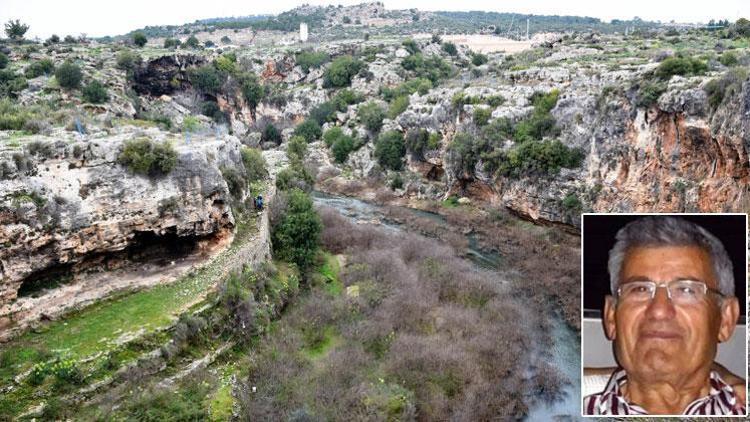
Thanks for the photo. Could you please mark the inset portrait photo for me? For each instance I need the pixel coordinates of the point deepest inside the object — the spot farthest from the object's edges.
(664, 305)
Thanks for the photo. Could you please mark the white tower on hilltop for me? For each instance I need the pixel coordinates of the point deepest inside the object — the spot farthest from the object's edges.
(303, 32)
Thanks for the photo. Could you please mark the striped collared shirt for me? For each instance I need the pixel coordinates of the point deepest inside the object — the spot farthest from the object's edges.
(722, 400)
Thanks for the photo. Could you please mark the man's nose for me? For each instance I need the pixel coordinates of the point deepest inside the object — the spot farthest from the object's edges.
(661, 305)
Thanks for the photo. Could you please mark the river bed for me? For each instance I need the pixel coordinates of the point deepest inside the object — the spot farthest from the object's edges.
(565, 351)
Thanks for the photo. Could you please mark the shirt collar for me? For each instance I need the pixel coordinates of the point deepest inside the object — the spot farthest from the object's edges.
(721, 396)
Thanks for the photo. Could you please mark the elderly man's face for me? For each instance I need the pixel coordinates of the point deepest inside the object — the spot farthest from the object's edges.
(660, 340)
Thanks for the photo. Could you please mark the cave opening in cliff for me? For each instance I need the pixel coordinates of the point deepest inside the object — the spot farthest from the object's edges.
(43, 280)
(161, 249)
(146, 250)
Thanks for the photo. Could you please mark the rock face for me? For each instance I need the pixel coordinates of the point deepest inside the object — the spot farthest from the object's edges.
(164, 75)
(67, 206)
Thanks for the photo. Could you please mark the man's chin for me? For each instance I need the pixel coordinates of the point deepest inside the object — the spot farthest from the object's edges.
(658, 361)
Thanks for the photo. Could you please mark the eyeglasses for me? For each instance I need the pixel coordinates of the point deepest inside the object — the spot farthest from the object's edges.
(680, 292)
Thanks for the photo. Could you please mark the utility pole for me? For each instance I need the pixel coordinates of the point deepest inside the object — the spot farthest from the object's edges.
(510, 27)
(527, 28)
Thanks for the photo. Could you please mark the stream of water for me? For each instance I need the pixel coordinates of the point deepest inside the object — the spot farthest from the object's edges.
(565, 353)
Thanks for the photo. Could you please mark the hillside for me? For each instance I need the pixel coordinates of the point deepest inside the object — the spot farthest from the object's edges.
(136, 256)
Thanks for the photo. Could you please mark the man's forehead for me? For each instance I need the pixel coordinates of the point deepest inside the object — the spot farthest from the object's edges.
(676, 262)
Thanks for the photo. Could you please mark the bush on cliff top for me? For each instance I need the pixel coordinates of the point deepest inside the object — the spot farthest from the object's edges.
(340, 72)
(142, 156)
(683, 66)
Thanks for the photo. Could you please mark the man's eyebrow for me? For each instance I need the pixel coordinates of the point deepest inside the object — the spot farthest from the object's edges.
(645, 278)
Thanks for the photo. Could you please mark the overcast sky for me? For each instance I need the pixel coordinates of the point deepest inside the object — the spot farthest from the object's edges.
(114, 17)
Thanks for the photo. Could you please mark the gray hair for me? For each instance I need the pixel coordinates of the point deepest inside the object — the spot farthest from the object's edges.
(670, 231)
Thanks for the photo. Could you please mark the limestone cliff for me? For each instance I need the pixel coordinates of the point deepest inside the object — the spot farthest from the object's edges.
(68, 206)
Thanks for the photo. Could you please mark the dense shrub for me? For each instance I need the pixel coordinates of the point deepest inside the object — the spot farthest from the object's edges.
(191, 42)
(252, 90)
(331, 135)
(341, 148)
(206, 79)
(128, 60)
(340, 72)
(172, 43)
(227, 64)
(296, 149)
(296, 237)
(345, 98)
(341, 144)
(294, 176)
(543, 158)
(396, 182)
(139, 39)
(309, 130)
(38, 373)
(572, 204)
(255, 164)
(433, 67)
(462, 152)
(728, 59)
(741, 28)
(540, 123)
(235, 182)
(225, 40)
(411, 46)
(482, 116)
(450, 48)
(323, 112)
(371, 115)
(311, 59)
(39, 68)
(241, 310)
(271, 134)
(729, 84)
(3, 60)
(478, 59)
(421, 85)
(13, 116)
(145, 157)
(390, 150)
(495, 101)
(95, 93)
(69, 75)
(683, 66)
(498, 131)
(649, 93)
(398, 105)
(211, 109)
(419, 140)
(67, 372)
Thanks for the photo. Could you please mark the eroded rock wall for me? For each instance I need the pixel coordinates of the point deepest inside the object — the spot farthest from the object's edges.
(72, 201)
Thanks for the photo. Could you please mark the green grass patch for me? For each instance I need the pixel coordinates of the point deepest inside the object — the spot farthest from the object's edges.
(101, 326)
(327, 342)
(329, 271)
(221, 403)
(451, 202)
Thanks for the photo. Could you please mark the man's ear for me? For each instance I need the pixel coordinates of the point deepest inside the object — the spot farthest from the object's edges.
(609, 317)
(730, 311)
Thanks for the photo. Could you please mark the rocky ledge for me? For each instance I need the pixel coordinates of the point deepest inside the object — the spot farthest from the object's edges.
(67, 206)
